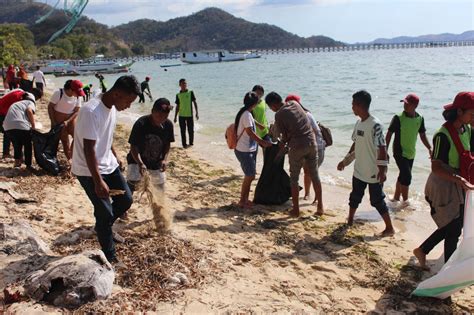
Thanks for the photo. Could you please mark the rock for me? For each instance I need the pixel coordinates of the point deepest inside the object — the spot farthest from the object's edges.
(73, 280)
(20, 239)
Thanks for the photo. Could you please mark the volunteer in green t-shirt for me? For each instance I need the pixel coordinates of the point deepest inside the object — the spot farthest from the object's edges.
(406, 127)
(259, 114)
(184, 107)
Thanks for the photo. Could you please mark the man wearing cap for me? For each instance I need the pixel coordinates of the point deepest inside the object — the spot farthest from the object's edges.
(63, 108)
(145, 87)
(150, 142)
(406, 126)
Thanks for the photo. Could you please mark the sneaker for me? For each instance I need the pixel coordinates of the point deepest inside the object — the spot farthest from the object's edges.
(117, 264)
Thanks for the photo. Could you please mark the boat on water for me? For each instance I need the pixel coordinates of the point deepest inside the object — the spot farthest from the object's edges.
(252, 55)
(194, 57)
(72, 67)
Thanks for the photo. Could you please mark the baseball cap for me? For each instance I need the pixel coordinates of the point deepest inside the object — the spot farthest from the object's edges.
(148, 78)
(293, 97)
(76, 86)
(464, 100)
(411, 99)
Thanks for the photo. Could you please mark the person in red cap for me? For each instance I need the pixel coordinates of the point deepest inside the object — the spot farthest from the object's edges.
(145, 88)
(406, 126)
(445, 187)
(63, 108)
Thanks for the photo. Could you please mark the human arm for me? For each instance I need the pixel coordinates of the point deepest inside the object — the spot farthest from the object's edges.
(120, 163)
(439, 168)
(382, 164)
(100, 187)
(177, 109)
(388, 138)
(166, 150)
(193, 99)
(137, 158)
(51, 113)
(347, 159)
(254, 136)
(31, 117)
(425, 141)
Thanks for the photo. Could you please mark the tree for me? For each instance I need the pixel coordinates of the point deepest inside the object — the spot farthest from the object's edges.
(138, 49)
(11, 51)
(65, 45)
(102, 50)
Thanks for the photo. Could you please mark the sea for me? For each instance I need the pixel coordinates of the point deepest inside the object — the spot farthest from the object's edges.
(325, 81)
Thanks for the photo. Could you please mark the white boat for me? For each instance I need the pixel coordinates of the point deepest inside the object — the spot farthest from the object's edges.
(211, 56)
(252, 55)
(79, 67)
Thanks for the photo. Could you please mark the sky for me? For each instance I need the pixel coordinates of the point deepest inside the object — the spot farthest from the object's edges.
(349, 21)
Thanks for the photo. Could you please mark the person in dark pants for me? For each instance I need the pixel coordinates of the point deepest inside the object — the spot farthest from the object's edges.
(184, 100)
(95, 162)
(445, 186)
(145, 87)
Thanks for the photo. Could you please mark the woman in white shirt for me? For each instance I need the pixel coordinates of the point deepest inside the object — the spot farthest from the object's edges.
(246, 149)
(63, 108)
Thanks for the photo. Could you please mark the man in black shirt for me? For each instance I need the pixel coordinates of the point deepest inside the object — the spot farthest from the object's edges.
(145, 90)
(150, 142)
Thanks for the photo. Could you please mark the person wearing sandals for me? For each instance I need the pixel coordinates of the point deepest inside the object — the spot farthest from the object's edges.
(246, 149)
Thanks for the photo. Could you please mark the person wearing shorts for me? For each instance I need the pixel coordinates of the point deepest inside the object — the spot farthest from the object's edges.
(247, 143)
(406, 126)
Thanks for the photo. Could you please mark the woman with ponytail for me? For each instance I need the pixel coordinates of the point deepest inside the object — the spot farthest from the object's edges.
(246, 149)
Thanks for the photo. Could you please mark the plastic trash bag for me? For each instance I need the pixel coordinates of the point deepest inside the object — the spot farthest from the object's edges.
(46, 148)
(458, 272)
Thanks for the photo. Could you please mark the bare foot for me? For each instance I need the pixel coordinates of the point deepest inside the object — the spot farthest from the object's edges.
(350, 221)
(306, 197)
(244, 205)
(249, 203)
(421, 256)
(295, 213)
(319, 212)
(315, 201)
(387, 232)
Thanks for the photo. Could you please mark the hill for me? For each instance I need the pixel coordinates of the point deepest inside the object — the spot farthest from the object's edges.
(468, 35)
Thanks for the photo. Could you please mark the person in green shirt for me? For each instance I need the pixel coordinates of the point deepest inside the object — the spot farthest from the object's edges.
(259, 114)
(184, 101)
(406, 126)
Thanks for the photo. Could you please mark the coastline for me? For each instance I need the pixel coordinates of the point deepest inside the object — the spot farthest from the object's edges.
(257, 261)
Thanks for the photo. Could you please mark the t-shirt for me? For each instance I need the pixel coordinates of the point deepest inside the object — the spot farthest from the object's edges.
(293, 123)
(95, 122)
(368, 137)
(259, 114)
(144, 86)
(38, 76)
(65, 104)
(406, 130)
(16, 117)
(245, 143)
(151, 141)
(9, 99)
(442, 146)
(317, 132)
(184, 100)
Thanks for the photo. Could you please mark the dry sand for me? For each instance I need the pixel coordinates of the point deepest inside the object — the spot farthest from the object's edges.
(257, 261)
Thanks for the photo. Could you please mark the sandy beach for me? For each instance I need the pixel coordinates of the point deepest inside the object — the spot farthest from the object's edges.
(253, 261)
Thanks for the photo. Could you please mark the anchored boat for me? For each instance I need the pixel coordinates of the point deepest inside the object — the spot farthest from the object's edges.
(211, 56)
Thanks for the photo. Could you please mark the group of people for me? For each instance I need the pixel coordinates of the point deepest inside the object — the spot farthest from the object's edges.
(297, 133)
(17, 77)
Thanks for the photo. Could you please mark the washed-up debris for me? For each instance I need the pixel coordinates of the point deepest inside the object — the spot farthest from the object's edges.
(73, 280)
(9, 187)
(20, 239)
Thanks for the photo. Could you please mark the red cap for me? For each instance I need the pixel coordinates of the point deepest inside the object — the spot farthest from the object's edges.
(411, 99)
(464, 100)
(76, 86)
(293, 97)
(148, 78)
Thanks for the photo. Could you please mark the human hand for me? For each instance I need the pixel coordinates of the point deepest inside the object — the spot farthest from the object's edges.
(340, 166)
(464, 183)
(120, 163)
(101, 189)
(382, 176)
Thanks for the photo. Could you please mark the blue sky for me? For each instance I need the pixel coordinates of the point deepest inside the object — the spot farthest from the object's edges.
(346, 20)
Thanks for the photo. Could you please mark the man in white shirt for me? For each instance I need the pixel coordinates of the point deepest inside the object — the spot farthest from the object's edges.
(38, 77)
(63, 108)
(95, 163)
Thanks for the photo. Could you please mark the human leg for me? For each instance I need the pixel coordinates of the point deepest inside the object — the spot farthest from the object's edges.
(248, 164)
(377, 200)
(27, 147)
(311, 161)
(6, 139)
(453, 231)
(15, 137)
(296, 161)
(182, 128)
(307, 182)
(355, 197)
(190, 123)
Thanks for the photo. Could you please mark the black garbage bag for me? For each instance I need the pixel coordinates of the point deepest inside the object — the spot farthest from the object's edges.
(46, 148)
(273, 187)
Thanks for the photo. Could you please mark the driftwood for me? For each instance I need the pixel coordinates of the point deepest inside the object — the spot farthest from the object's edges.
(73, 280)
(20, 239)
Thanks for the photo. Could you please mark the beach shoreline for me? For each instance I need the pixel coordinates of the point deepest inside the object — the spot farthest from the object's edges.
(258, 261)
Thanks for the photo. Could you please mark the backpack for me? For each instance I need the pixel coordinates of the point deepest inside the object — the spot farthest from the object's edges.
(466, 158)
(326, 132)
(231, 136)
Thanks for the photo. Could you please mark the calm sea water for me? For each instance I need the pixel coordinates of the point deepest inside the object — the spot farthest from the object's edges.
(326, 82)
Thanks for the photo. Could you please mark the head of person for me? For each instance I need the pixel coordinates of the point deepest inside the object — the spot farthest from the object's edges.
(38, 67)
(37, 93)
(259, 90)
(295, 98)
(361, 102)
(160, 111)
(250, 101)
(74, 88)
(183, 84)
(147, 79)
(274, 101)
(410, 102)
(461, 109)
(97, 75)
(124, 92)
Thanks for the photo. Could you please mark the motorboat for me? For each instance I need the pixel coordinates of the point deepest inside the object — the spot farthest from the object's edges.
(211, 56)
(80, 67)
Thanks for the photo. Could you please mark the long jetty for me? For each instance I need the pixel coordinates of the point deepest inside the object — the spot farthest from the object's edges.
(342, 48)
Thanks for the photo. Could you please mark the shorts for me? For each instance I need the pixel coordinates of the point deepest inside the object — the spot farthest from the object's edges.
(377, 196)
(248, 162)
(307, 156)
(404, 165)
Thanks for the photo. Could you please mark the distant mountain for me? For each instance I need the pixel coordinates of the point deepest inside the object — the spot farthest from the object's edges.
(213, 28)
(468, 35)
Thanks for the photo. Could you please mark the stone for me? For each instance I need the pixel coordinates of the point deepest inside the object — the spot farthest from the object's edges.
(18, 238)
(72, 280)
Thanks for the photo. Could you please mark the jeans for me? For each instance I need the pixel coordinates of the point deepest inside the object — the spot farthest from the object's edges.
(377, 196)
(21, 140)
(189, 123)
(107, 210)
